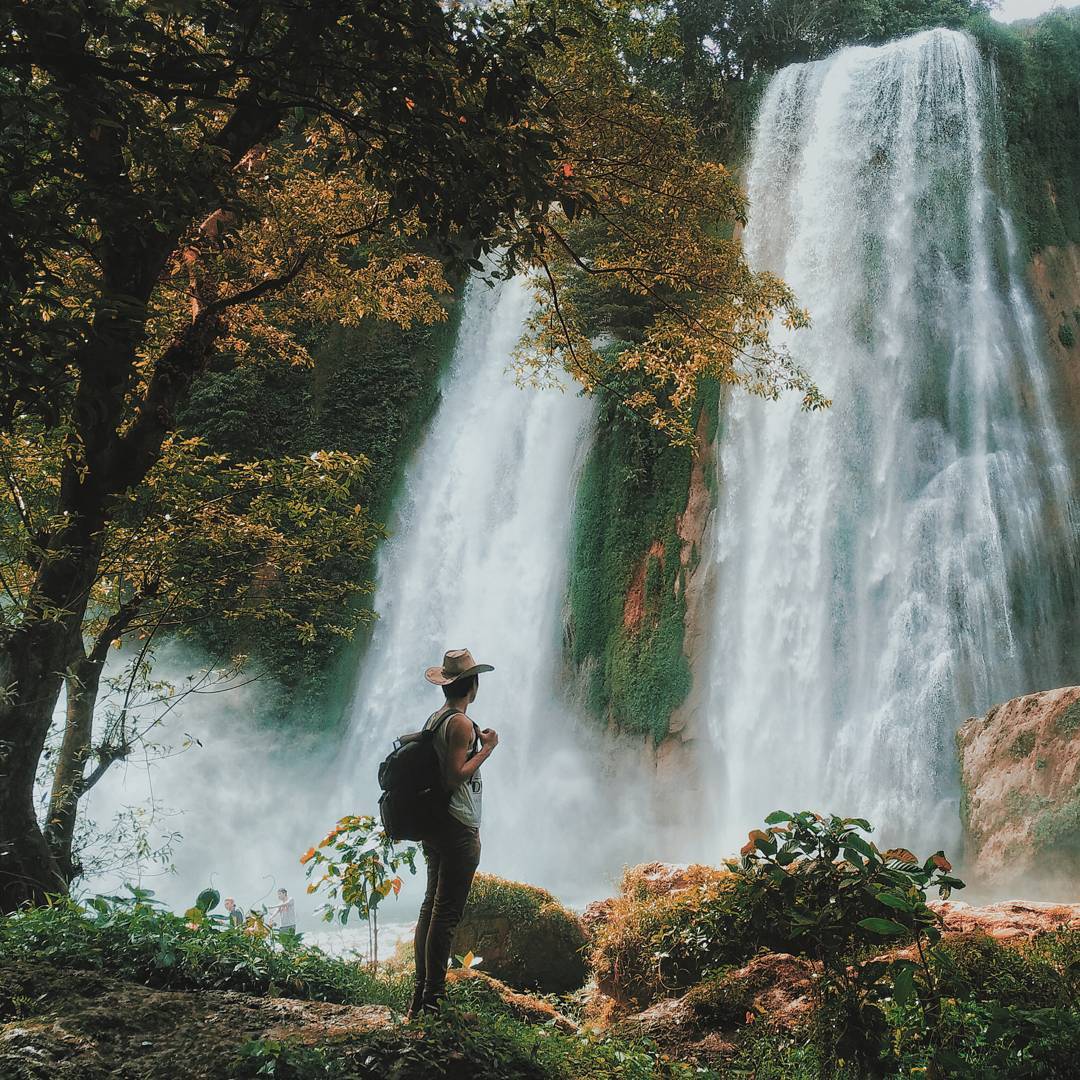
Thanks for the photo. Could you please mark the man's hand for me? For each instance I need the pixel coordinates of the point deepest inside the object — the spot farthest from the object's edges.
(489, 738)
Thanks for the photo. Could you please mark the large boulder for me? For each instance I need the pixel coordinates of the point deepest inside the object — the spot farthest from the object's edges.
(1020, 777)
(523, 936)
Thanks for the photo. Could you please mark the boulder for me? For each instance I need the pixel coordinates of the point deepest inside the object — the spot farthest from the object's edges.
(1008, 919)
(523, 936)
(629, 934)
(773, 989)
(1020, 782)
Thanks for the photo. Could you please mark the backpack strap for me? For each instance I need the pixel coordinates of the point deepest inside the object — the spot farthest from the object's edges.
(455, 712)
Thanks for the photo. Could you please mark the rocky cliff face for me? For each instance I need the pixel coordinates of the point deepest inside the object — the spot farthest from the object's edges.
(1020, 776)
(1055, 284)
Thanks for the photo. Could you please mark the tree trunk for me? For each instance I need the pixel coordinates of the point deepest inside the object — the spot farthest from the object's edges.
(30, 666)
(69, 780)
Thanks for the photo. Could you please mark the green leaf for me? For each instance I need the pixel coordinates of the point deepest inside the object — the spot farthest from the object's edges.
(904, 986)
(777, 816)
(898, 902)
(882, 926)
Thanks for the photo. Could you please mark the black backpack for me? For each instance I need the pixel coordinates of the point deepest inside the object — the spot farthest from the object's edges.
(414, 799)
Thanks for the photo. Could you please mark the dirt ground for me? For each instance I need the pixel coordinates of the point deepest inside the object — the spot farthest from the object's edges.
(81, 1025)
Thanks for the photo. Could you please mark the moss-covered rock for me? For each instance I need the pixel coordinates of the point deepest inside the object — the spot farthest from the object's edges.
(523, 936)
(1020, 771)
(663, 932)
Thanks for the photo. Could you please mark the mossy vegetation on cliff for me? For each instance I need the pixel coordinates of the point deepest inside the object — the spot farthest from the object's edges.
(628, 580)
(370, 390)
(1039, 67)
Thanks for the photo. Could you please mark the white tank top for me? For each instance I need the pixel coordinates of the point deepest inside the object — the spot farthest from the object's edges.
(466, 800)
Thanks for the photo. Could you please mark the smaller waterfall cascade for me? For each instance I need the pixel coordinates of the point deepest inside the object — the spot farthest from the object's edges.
(903, 561)
(477, 559)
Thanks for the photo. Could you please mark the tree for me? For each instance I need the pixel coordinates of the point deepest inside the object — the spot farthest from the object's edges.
(268, 545)
(187, 177)
(643, 211)
(153, 204)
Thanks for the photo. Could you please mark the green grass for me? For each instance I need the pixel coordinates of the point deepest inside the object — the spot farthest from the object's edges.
(477, 1036)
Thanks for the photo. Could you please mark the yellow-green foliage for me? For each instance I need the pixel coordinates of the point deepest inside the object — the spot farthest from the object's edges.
(523, 935)
(640, 952)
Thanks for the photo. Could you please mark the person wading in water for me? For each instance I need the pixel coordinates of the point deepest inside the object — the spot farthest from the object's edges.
(452, 850)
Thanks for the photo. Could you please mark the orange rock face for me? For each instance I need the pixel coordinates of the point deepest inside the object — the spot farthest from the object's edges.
(1020, 771)
(1009, 919)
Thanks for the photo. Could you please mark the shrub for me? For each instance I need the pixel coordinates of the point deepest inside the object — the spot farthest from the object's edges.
(522, 935)
(132, 938)
(981, 968)
(1066, 335)
(652, 945)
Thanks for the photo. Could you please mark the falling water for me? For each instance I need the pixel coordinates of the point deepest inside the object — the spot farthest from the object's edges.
(478, 560)
(888, 568)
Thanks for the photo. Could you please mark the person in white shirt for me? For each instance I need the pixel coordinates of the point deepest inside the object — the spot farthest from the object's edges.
(283, 916)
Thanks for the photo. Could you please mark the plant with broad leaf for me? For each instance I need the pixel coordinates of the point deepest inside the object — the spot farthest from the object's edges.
(358, 867)
(820, 887)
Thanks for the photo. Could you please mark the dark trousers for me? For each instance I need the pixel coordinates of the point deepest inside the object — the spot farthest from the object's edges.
(452, 855)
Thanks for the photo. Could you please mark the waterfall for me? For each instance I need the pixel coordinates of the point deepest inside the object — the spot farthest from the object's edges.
(477, 559)
(903, 561)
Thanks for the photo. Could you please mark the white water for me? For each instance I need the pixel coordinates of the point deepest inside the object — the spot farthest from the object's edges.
(476, 557)
(886, 569)
(477, 560)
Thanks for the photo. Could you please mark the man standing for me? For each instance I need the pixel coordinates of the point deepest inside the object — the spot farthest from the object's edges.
(236, 916)
(452, 850)
(284, 915)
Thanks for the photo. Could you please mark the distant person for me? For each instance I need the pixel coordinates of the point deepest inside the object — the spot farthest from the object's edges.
(452, 850)
(283, 915)
(236, 915)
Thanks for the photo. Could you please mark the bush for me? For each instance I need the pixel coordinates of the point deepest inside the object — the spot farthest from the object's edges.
(654, 945)
(523, 936)
(132, 938)
(1066, 335)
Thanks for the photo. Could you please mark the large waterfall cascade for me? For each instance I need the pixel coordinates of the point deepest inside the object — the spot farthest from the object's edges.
(888, 568)
(879, 571)
(477, 559)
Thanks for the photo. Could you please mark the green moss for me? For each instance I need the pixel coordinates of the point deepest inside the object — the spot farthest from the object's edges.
(1039, 67)
(1023, 744)
(1020, 804)
(627, 584)
(1057, 829)
(1068, 720)
(721, 1000)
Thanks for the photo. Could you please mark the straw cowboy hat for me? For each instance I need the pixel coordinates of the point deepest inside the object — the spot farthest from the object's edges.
(457, 664)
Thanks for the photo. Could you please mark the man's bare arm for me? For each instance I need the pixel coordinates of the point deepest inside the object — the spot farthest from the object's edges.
(459, 766)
